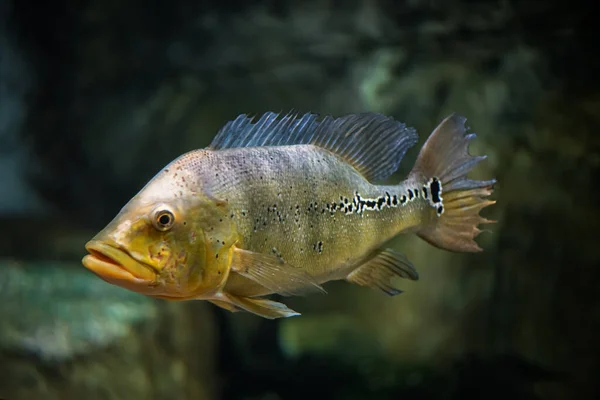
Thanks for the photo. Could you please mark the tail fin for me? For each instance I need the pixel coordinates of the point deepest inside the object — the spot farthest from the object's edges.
(445, 159)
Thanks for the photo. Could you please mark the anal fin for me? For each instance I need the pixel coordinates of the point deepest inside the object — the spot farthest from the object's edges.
(379, 270)
(262, 307)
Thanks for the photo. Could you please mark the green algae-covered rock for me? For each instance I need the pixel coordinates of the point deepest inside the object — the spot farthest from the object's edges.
(66, 334)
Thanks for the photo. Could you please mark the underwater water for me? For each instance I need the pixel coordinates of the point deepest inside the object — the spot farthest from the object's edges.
(97, 96)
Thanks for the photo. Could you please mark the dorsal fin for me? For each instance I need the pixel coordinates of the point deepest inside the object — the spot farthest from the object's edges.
(373, 143)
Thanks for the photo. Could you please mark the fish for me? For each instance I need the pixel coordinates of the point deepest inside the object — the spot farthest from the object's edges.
(284, 203)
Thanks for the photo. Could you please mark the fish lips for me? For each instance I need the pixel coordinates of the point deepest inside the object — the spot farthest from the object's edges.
(117, 267)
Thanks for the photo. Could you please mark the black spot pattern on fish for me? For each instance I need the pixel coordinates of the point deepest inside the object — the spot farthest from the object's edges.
(431, 191)
(359, 204)
(318, 247)
(277, 253)
(434, 186)
(436, 189)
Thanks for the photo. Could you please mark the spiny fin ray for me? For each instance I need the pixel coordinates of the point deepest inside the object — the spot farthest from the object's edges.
(373, 143)
(225, 305)
(262, 307)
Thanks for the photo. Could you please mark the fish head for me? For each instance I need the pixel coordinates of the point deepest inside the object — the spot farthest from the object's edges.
(160, 244)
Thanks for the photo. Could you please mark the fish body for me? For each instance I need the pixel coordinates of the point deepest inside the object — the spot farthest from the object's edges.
(308, 207)
(284, 205)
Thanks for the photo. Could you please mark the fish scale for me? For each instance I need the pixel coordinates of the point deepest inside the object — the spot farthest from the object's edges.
(301, 181)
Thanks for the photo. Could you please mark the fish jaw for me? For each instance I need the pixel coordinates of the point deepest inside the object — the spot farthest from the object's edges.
(117, 267)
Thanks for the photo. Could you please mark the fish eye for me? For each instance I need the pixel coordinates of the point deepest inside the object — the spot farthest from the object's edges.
(163, 220)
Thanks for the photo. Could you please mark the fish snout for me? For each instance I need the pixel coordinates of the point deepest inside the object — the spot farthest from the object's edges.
(116, 266)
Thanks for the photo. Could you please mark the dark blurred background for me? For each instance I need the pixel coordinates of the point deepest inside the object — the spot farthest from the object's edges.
(97, 95)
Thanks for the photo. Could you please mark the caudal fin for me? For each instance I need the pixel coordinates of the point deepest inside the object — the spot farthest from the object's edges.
(444, 161)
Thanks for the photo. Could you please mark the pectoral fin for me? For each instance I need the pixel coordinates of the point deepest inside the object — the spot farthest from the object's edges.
(273, 273)
(262, 307)
(379, 270)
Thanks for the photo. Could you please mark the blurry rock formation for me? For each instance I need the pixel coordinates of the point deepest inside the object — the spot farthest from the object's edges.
(66, 335)
(56, 312)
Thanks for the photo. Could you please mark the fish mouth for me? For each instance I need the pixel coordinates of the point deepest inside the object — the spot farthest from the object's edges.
(115, 265)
